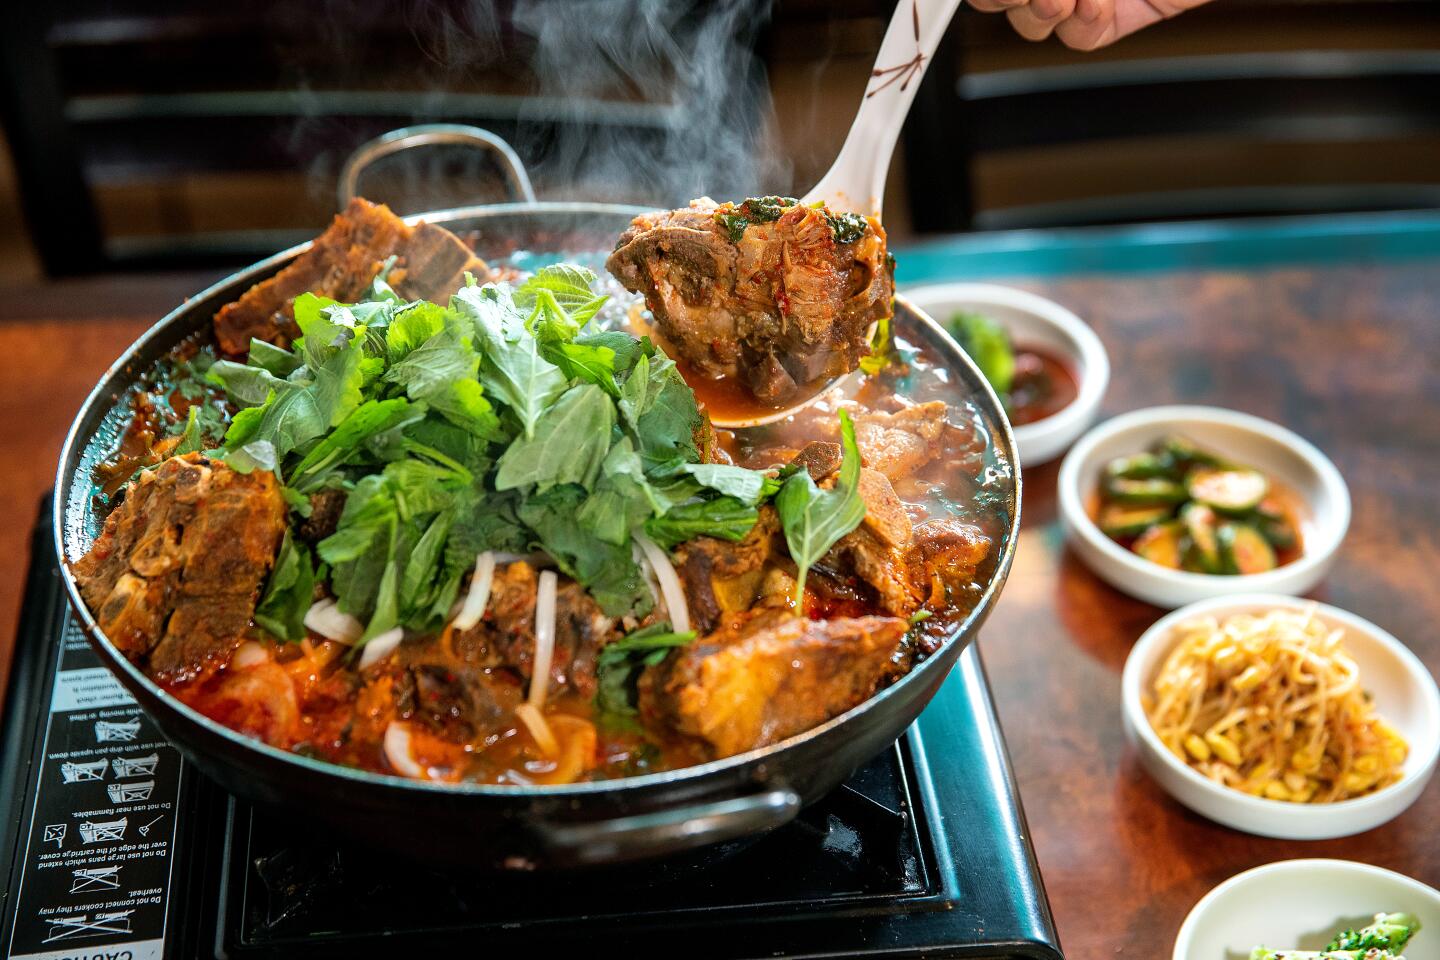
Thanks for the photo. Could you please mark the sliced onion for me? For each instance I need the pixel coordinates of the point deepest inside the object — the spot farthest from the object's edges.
(397, 751)
(479, 594)
(670, 587)
(381, 646)
(249, 654)
(544, 639)
(326, 619)
(535, 722)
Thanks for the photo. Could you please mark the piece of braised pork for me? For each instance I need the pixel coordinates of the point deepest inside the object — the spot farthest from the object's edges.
(506, 635)
(174, 576)
(768, 676)
(774, 293)
(430, 264)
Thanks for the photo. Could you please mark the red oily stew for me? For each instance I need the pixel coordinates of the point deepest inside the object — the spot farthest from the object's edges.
(455, 521)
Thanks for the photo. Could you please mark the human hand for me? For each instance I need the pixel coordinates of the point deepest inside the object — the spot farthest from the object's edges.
(1084, 24)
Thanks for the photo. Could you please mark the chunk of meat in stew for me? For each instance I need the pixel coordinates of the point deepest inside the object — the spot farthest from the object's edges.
(430, 264)
(176, 571)
(722, 577)
(768, 676)
(877, 553)
(507, 631)
(898, 444)
(778, 303)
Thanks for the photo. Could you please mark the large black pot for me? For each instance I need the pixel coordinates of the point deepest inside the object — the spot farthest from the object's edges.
(555, 826)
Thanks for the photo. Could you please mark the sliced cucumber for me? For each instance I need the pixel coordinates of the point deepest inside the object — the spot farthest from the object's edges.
(1243, 549)
(1141, 466)
(1274, 523)
(1229, 491)
(1202, 548)
(1161, 544)
(1144, 492)
(1117, 520)
(1182, 454)
(1280, 533)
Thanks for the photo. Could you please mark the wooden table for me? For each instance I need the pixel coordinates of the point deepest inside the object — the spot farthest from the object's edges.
(1345, 350)
(1330, 327)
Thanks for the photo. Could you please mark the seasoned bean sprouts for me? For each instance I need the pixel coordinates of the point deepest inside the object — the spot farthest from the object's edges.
(1271, 704)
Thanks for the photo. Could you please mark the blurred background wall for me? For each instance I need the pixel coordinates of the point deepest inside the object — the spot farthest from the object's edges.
(148, 134)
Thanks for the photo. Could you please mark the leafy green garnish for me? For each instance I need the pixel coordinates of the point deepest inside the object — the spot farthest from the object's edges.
(766, 209)
(723, 517)
(346, 441)
(512, 368)
(493, 423)
(880, 349)
(192, 440)
(755, 210)
(274, 360)
(814, 519)
(747, 486)
(1390, 931)
(569, 289)
(608, 570)
(847, 227)
(567, 446)
(988, 345)
(618, 666)
(287, 596)
(734, 224)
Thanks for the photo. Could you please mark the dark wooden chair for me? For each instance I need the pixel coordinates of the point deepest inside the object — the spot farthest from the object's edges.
(1239, 108)
(155, 133)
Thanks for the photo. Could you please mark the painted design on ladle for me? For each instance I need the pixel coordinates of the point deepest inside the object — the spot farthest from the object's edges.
(904, 72)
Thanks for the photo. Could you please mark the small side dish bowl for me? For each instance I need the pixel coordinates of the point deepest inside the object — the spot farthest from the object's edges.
(1032, 321)
(1272, 449)
(1404, 693)
(1301, 904)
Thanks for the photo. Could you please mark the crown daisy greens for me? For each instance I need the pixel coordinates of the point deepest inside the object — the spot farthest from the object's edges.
(494, 423)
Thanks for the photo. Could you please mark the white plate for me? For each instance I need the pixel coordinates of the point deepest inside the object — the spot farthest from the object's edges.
(1268, 447)
(1033, 321)
(1405, 696)
(1301, 904)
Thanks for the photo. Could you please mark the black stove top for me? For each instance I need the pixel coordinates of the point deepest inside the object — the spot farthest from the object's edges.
(120, 850)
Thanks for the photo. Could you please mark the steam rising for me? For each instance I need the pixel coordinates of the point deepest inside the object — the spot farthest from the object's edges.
(687, 70)
(642, 101)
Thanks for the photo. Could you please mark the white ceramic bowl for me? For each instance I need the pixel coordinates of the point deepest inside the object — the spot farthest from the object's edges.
(1033, 321)
(1405, 695)
(1301, 904)
(1268, 447)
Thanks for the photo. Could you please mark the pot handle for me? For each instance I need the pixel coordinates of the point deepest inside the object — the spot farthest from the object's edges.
(429, 134)
(669, 831)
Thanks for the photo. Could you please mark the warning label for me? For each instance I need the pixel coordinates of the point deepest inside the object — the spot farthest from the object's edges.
(96, 871)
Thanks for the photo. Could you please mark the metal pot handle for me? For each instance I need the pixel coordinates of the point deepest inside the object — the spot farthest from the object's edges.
(669, 831)
(429, 134)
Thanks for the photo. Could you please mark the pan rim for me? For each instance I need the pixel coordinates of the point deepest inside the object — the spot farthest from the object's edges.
(1002, 439)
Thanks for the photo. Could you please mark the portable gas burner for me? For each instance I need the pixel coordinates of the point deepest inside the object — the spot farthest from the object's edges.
(119, 849)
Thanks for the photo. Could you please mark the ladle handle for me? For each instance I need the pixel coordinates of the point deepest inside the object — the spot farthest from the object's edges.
(856, 181)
